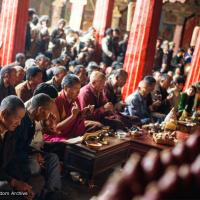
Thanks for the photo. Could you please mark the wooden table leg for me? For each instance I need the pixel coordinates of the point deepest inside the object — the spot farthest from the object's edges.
(91, 184)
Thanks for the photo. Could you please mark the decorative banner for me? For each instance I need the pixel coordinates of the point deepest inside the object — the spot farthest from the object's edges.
(13, 21)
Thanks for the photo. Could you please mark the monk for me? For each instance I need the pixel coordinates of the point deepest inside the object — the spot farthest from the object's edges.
(92, 94)
(70, 121)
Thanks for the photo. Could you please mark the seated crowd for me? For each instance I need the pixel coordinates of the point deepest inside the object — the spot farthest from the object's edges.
(54, 94)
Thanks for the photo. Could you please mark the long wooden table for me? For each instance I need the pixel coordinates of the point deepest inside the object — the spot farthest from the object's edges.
(89, 163)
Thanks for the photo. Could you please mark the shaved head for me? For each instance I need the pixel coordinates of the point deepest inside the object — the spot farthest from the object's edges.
(144, 88)
(142, 84)
(97, 76)
(18, 68)
(97, 80)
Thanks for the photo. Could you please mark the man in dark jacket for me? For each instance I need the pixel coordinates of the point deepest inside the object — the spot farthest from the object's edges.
(12, 112)
(113, 87)
(160, 94)
(16, 153)
(39, 109)
(108, 54)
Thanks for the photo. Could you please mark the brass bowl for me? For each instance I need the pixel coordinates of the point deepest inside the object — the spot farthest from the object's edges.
(104, 142)
(95, 146)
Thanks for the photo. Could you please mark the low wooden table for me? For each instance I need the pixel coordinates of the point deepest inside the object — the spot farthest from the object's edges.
(143, 144)
(90, 163)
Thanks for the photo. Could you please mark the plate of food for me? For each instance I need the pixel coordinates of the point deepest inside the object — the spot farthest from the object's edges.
(136, 132)
(165, 138)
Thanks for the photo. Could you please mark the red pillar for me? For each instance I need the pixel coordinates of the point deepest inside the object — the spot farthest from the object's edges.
(102, 17)
(177, 37)
(13, 21)
(194, 73)
(142, 41)
(77, 13)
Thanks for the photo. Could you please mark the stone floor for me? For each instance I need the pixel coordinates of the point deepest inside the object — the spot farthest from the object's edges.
(76, 190)
(83, 192)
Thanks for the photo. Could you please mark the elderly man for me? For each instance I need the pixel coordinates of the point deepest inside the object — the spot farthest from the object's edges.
(136, 103)
(33, 78)
(34, 161)
(7, 82)
(160, 94)
(113, 86)
(92, 94)
(12, 111)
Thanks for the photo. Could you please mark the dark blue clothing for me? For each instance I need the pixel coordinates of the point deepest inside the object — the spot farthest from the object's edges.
(24, 135)
(7, 154)
(188, 58)
(136, 105)
(14, 152)
(19, 167)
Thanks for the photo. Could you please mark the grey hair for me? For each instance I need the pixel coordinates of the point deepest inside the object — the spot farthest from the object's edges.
(11, 104)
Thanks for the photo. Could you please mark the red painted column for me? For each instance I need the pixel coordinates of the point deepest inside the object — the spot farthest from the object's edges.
(194, 73)
(142, 42)
(13, 21)
(77, 14)
(102, 17)
(177, 37)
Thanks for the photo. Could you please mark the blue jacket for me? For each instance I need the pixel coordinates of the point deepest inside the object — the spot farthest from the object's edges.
(137, 106)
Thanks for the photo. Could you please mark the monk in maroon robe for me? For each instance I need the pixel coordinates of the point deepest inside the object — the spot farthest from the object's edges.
(92, 94)
(69, 121)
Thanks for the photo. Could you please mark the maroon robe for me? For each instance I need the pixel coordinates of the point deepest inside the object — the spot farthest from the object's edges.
(88, 96)
(75, 128)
